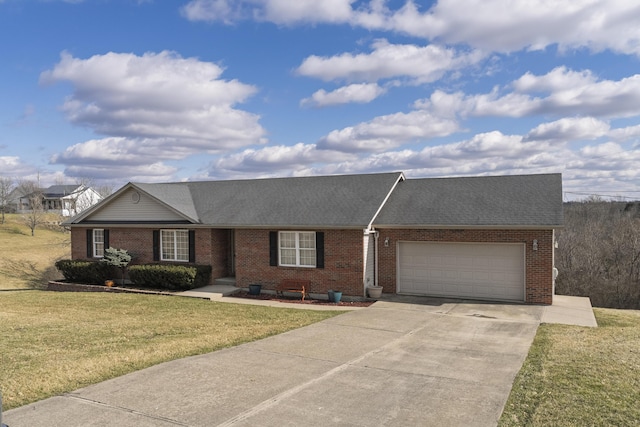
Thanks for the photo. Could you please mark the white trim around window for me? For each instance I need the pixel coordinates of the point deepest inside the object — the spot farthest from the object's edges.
(297, 249)
(174, 245)
(98, 243)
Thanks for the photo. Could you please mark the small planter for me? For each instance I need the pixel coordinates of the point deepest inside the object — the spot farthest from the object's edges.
(334, 296)
(108, 283)
(255, 289)
(375, 292)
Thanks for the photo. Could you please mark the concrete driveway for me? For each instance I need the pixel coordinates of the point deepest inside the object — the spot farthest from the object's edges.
(414, 361)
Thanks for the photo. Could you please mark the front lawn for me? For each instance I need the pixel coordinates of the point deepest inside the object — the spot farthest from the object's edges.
(576, 376)
(52, 343)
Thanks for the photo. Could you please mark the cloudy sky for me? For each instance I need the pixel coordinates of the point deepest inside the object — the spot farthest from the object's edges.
(154, 91)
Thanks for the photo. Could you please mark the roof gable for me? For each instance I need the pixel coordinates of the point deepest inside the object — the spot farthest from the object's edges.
(131, 204)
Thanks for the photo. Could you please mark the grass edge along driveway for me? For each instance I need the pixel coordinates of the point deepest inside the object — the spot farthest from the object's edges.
(575, 376)
(53, 343)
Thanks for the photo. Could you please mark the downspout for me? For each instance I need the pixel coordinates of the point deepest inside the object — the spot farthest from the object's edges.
(376, 234)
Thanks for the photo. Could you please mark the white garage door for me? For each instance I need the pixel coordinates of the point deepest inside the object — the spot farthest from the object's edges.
(478, 271)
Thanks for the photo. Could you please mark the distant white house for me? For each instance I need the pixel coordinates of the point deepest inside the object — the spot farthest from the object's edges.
(65, 200)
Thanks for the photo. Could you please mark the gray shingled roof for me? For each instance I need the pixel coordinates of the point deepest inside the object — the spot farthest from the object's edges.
(331, 201)
(517, 200)
(60, 190)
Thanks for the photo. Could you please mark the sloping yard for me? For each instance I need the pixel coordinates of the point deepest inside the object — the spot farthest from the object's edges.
(578, 376)
(57, 342)
(27, 261)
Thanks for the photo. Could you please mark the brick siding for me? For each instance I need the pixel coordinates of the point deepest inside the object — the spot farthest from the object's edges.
(343, 256)
(212, 247)
(343, 265)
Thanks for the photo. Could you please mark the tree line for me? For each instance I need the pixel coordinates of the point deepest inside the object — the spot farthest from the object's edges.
(598, 253)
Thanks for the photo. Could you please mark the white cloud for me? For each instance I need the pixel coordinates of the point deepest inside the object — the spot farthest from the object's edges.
(117, 156)
(626, 133)
(569, 129)
(387, 132)
(154, 106)
(355, 93)
(287, 11)
(276, 11)
(421, 64)
(226, 11)
(12, 166)
(295, 159)
(560, 92)
(154, 172)
(594, 24)
(558, 79)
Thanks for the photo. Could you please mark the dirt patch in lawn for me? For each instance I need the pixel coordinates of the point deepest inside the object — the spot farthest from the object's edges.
(308, 301)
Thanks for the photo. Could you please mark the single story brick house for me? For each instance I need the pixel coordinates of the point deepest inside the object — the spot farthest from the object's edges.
(489, 238)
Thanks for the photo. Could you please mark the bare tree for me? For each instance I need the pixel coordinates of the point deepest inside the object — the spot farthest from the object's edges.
(104, 190)
(34, 197)
(6, 187)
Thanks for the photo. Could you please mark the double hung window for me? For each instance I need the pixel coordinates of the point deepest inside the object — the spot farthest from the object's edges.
(98, 243)
(297, 248)
(174, 245)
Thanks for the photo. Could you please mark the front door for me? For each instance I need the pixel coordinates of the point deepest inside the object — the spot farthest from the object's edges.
(232, 253)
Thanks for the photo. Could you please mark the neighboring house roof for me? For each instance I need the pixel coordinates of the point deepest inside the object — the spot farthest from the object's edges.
(515, 200)
(59, 191)
(350, 201)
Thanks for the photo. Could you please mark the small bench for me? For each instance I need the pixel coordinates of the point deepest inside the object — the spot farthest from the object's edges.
(293, 285)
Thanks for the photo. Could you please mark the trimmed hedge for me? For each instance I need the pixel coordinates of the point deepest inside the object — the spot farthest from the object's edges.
(79, 271)
(172, 277)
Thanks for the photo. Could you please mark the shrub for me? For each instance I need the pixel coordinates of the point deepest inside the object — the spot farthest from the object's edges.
(171, 277)
(118, 258)
(83, 271)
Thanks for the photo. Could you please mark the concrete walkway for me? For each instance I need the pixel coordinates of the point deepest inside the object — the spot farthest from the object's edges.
(566, 310)
(406, 361)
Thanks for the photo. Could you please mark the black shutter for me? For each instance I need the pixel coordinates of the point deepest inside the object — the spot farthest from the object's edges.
(106, 239)
(156, 245)
(273, 248)
(89, 243)
(319, 249)
(192, 245)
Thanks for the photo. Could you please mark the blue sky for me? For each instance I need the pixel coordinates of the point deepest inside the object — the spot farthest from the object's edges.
(112, 91)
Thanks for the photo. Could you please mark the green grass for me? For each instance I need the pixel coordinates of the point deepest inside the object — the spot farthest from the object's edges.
(27, 261)
(576, 376)
(53, 342)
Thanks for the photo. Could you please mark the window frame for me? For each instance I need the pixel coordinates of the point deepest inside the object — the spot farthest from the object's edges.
(298, 248)
(95, 242)
(174, 249)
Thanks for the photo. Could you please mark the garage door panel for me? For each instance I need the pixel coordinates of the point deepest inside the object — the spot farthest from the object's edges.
(485, 271)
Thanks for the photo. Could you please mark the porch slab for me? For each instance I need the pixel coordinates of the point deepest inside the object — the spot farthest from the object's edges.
(212, 292)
